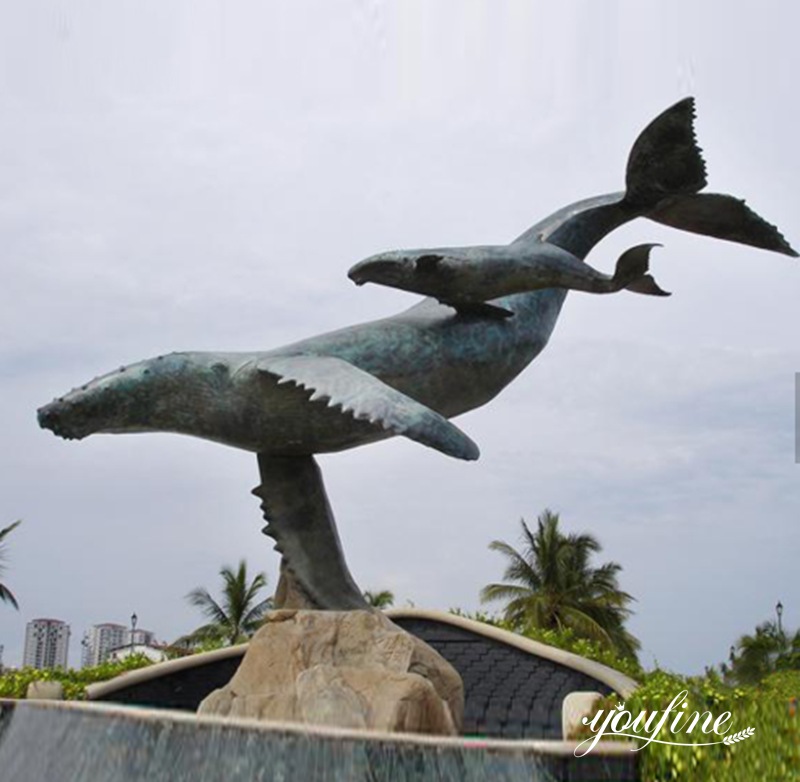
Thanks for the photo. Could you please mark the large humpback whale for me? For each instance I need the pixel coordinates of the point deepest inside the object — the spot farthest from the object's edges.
(403, 375)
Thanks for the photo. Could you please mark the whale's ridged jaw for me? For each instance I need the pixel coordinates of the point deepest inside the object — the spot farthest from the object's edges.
(125, 400)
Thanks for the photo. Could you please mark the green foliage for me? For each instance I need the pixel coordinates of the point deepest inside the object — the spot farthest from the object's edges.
(382, 599)
(773, 753)
(235, 617)
(767, 650)
(481, 616)
(551, 584)
(567, 640)
(6, 595)
(14, 681)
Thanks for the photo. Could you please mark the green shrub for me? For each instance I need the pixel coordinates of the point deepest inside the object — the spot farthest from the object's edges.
(14, 682)
(772, 753)
(567, 640)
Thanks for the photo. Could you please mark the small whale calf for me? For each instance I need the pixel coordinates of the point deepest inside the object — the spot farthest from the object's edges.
(465, 278)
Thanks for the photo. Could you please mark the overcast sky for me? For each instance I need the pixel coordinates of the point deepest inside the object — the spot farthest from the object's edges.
(200, 175)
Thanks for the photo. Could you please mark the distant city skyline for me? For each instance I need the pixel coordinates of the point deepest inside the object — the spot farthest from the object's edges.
(47, 643)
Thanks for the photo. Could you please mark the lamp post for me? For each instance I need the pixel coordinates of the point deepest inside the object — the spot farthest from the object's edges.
(134, 619)
(779, 612)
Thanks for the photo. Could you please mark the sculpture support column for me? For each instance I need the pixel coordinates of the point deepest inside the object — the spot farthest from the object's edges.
(289, 593)
(314, 573)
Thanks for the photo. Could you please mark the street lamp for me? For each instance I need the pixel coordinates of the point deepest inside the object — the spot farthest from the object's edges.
(779, 612)
(134, 619)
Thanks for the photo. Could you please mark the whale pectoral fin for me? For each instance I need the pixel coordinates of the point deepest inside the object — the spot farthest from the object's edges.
(480, 309)
(365, 397)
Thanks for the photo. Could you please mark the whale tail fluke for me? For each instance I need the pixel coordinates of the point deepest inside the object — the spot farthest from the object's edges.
(665, 159)
(723, 217)
(631, 272)
(665, 173)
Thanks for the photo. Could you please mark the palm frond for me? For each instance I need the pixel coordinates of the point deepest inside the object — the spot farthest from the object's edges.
(201, 598)
(492, 592)
(6, 596)
(4, 532)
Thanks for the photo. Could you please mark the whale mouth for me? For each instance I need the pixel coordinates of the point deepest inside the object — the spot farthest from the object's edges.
(381, 271)
(54, 417)
(357, 274)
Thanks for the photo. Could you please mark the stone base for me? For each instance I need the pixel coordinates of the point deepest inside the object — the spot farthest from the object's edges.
(352, 669)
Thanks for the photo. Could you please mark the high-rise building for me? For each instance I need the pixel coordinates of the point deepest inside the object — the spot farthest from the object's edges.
(141, 638)
(100, 640)
(46, 643)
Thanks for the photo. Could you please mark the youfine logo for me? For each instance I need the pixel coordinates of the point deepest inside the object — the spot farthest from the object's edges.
(647, 726)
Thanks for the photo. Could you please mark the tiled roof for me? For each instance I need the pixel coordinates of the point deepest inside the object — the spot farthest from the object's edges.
(508, 693)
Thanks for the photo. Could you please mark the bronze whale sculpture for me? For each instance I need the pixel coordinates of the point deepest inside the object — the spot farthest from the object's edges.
(405, 375)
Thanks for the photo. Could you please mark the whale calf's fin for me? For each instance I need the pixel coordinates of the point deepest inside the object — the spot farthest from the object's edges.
(646, 284)
(631, 271)
(634, 262)
(720, 216)
(365, 397)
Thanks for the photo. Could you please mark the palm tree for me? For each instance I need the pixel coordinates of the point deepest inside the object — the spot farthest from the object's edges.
(550, 584)
(382, 599)
(757, 654)
(769, 649)
(6, 596)
(236, 616)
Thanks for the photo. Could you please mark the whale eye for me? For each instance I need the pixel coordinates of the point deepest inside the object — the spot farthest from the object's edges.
(428, 263)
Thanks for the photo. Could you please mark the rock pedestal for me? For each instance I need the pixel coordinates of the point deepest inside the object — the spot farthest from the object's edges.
(352, 669)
